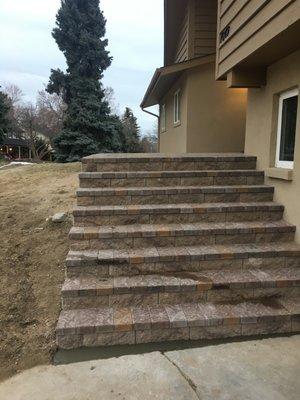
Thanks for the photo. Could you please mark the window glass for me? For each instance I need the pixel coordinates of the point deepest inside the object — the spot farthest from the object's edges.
(288, 128)
(287, 120)
(177, 107)
(163, 118)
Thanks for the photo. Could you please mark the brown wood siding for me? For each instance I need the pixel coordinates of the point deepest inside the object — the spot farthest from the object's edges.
(252, 24)
(183, 38)
(205, 27)
(197, 31)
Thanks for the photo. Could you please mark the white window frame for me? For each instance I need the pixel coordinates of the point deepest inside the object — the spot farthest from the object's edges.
(286, 95)
(177, 107)
(163, 119)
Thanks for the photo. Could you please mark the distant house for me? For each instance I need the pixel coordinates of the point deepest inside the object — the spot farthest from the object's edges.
(17, 149)
(197, 113)
(20, 149)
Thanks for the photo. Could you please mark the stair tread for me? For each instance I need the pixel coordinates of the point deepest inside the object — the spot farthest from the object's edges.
(163, 230)
(174, 190)
(185, 253)
(128, 157)
(167, 174)
(183, 282)
(177, 208)
(109, 319)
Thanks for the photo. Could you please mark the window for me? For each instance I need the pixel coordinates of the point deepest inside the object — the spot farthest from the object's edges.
(177, 107)
(163, 118)
(287, 120)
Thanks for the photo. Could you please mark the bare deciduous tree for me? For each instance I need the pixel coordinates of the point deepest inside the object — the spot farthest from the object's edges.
(28, 117)
(149, 141)
(14, 93)
(15, 96)
(50, 113)
(109, 96)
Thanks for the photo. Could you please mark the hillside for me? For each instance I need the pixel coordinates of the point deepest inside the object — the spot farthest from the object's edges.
(32, 260)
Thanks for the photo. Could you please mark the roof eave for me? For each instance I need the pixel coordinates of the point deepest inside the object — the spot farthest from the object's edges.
(151, 86)
(178, 69)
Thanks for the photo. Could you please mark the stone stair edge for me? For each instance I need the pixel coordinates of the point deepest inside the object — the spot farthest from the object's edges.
(124, 191)
(178, 208)
(165, 230)
(138, 157)
(168, 174)
(89, 285)
(109, 319)
(185, 253)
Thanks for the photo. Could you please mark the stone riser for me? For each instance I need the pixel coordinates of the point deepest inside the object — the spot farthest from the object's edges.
(188, 240)
(176, 218)
(166, 335)
(111, 326)
(173, 298)
(168, 166)
(174, 199)
(168, 182)
(118, 270)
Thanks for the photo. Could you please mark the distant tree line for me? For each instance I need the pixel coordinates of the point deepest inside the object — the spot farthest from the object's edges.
(40, 122)
(36, 123)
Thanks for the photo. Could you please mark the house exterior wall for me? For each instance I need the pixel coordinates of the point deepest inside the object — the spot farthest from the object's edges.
(216, 115)
(207, 106)
(251, 25)
(261, 131)
(174, 138)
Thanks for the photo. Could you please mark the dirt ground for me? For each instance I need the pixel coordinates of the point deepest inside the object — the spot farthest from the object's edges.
(32, 260)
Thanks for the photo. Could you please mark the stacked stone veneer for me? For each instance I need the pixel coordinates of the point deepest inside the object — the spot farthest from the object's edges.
(177, 248)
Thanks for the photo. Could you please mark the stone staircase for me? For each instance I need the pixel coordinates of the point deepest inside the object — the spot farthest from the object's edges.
(177, 248)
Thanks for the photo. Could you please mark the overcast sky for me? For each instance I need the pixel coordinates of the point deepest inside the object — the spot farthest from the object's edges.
(134, 30)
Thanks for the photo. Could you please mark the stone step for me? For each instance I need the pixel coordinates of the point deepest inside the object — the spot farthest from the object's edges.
(177, 213)
(168, 235)
(134, 325)
(173, 195)
(170, 178)
(158, 260)
(166, 162)
(187, 287)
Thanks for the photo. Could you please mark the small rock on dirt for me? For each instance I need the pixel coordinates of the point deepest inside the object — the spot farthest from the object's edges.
(59, 217)
(38, 229)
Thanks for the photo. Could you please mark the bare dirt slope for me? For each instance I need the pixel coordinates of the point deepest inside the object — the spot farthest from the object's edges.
(32, 253)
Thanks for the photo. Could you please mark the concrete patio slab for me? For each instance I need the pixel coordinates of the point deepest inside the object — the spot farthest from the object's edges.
(266, 369)
(149, 376)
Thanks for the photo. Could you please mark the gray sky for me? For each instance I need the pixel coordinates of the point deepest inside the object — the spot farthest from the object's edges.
(134, 30)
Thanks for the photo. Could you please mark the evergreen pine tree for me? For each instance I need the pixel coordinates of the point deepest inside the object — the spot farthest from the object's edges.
(88, 126)
(130, 132)
(4, 116)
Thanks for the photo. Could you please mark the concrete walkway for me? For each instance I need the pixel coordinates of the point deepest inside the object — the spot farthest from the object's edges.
(267, 369)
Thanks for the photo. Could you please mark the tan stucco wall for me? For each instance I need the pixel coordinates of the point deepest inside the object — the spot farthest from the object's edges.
(216, 115)
(261, 131)
(174, 139)
(212, 117)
